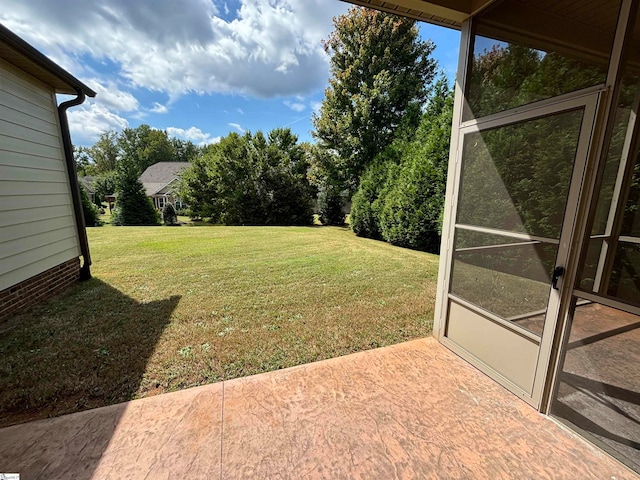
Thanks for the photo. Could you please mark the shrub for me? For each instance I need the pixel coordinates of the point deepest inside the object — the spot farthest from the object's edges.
(169, 216)
(250, 180)
(412, 209)
(400, 197)
(363, 221)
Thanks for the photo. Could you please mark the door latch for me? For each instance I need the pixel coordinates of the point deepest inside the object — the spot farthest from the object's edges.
(557, 273)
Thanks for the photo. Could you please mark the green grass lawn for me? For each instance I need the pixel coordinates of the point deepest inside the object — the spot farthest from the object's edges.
(174, 307)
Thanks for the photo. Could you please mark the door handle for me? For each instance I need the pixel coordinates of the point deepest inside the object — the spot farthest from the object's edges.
(557, 273)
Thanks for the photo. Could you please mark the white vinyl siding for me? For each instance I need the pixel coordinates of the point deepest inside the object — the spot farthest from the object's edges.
(37, 223)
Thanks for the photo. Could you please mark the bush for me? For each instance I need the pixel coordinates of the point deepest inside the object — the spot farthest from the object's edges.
(89, 210)
(169, 216)
(363, 220)
(412, 209)
(330, 207)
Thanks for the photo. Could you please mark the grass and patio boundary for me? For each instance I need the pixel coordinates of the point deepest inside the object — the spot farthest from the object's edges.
(173, 308)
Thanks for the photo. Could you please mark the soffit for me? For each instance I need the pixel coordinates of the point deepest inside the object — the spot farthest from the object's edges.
(447, 13)
(596, 15)
(406, 11)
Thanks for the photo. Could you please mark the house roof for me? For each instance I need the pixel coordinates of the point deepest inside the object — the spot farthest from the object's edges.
(159, 175)
(87, 184)
(16, 51)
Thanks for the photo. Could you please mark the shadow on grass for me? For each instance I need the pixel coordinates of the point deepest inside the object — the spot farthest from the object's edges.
(86, 348)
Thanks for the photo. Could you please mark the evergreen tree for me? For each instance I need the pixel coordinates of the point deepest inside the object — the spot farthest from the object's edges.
(133, 207)
(330, 204)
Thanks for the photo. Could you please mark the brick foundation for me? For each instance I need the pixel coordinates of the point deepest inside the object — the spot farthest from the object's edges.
(39, 287)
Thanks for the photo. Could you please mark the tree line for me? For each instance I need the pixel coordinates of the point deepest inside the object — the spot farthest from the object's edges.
(381, 142)
(143, 146)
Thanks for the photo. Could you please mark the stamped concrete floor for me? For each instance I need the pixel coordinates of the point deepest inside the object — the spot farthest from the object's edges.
(413, 410)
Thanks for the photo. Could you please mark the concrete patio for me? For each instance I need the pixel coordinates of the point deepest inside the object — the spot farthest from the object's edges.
(413, 410)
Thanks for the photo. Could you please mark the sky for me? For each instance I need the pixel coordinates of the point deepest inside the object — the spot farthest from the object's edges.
(198, 69)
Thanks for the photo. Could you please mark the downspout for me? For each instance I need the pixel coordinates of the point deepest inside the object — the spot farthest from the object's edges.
(85, 270)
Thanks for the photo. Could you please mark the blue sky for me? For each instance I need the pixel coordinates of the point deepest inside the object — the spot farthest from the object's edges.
(196, 68)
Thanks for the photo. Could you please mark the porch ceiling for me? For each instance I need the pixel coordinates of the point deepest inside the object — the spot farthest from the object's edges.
(447, 13)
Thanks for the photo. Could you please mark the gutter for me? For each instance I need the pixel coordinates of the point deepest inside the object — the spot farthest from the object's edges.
(85, 270)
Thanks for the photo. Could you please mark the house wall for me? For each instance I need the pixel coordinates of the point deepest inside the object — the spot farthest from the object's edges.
(164, 196)
(37, 222)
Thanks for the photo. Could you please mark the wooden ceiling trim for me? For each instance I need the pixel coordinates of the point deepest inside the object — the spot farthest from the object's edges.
(418, 10)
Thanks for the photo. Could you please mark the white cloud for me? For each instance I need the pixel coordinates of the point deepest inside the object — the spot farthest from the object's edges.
(110, 96)
(194, 134)
(159, 108)
(240, 111)
(296, 106)
(237, 127)
(271, 49)
(315, 106)
(89, 120)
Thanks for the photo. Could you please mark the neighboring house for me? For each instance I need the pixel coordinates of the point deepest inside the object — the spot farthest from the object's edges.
(160, 179)
(87, 184)
(42, 231)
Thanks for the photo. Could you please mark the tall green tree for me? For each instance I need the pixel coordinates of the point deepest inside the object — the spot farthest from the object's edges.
(198, 186)
(133, 207)
(102, 156)
(84, 166)
(380, 72)
(104, 184)
(288, 195)
(413, 208)
(185, 150)
(146, 146)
